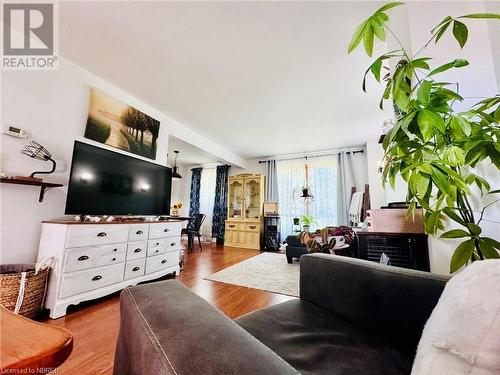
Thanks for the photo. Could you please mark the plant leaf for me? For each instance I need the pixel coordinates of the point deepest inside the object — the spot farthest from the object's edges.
(481, 15)
(492, 242)
(424, 92)
(488, 251)
(389, 6)
(442, 30)
(458, 63)
(461, 255)
(474, 228)
(421, 63)
(460, 33)
(428, 121)
(453, 215)
(455, 233)
(357, 37)
(368, 40)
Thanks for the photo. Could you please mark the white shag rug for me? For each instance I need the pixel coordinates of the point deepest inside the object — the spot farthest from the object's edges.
(266, 271)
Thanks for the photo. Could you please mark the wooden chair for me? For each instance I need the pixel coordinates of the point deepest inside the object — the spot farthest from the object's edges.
(193, 229)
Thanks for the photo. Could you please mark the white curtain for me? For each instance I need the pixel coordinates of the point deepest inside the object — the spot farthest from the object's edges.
(207, 196)
(322, 183)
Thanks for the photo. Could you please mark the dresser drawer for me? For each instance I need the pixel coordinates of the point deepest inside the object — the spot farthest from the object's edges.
(173, 244)
(92, 234)
(156, 243)
(161, 262)
(114, 249)
(155, 250)
(135, 268)
(107, 260)
(83, 281)
(136, 250)
(81, 258)
(162, 230)
(138, 232)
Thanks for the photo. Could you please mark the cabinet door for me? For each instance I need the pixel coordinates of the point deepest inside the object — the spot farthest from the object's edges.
(235, 199)
(253, 198)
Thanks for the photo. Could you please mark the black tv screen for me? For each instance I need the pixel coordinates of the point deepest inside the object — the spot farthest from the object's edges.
(104, 182)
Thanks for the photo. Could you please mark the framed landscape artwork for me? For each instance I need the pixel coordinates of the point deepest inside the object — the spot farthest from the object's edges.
(119, 125)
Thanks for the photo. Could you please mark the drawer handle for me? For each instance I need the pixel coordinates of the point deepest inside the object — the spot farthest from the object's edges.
(172, 244)
(157, 244)
(163, 261)
(139, 232)
(83, 257)
(101, 234)
(252, 226)
(138, 250)
(166, 230)
(115, 250)
(113, 259)
(98, 277)
(136, 269)
(231, 226)
(156, 251)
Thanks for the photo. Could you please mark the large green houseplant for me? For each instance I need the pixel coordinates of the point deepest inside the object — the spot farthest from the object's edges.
(434, 148)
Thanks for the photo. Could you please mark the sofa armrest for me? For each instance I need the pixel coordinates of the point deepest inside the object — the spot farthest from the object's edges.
(392, 301)
(167, 329)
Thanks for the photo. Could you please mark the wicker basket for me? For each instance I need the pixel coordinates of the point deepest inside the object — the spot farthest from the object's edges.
(23, 286)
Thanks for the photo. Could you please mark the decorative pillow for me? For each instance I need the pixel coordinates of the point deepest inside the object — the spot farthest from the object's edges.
(462, 335)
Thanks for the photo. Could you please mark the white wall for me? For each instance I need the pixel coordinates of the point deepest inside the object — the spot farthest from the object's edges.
(181, 189)
(53, 106)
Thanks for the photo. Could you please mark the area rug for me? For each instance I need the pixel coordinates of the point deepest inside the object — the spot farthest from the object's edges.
(267, 271)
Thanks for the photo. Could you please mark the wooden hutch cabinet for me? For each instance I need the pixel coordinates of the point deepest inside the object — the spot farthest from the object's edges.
(244, 211)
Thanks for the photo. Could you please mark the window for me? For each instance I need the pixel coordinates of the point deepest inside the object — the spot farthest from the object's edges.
(291, 176)
(207, 198)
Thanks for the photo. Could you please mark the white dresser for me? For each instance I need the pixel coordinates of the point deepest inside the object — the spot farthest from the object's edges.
(95, 259)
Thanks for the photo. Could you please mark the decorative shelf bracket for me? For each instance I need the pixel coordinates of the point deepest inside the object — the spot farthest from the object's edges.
(44, 186)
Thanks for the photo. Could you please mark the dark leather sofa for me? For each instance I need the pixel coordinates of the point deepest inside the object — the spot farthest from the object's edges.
(353, 317)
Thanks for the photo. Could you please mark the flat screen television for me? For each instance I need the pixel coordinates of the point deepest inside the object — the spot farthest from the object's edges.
(104, 182)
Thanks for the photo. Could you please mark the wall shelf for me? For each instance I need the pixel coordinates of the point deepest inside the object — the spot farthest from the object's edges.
(44, 186)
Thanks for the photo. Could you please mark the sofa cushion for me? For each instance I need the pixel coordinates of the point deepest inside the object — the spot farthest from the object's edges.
(317, 342)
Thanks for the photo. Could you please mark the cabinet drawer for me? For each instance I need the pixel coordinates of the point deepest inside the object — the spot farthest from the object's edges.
(162, 230)
(252, 227)
(136, 250)
(134, 269)
(83, 281)
(114, 249)
(173, 244)
(232, 226)
(81, 258)
(138, 232)
(155, 250)
(161, 262)
(107, 260)
(156, 243)
(92, 234)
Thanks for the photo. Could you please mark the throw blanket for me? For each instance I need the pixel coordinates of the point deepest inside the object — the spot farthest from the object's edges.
(318, 242)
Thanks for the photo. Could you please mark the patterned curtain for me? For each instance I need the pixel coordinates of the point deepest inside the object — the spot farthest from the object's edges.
(220, 203)
(194, 198)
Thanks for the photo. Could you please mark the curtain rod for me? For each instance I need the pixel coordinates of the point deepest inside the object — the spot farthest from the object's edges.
(314, 154)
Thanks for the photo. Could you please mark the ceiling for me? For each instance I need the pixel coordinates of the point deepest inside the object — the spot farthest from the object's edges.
(260, 78)
(188, 154)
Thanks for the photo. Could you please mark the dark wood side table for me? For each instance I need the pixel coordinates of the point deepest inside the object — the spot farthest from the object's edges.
(407, 250)
(26, 344)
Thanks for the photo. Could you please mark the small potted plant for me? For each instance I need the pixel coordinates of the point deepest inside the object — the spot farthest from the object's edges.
(306, 221)
(175, 209)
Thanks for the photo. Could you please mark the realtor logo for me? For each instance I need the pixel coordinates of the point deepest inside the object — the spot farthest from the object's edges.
(29, 37)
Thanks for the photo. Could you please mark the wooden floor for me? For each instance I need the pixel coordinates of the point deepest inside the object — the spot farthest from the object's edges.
(94, 324)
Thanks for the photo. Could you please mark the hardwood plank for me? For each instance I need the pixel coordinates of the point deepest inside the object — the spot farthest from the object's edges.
(95, 324)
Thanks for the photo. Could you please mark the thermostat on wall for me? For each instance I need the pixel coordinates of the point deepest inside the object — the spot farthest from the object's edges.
(15, 132)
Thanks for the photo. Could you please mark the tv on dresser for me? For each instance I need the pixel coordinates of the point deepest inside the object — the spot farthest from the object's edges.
(104, 182)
